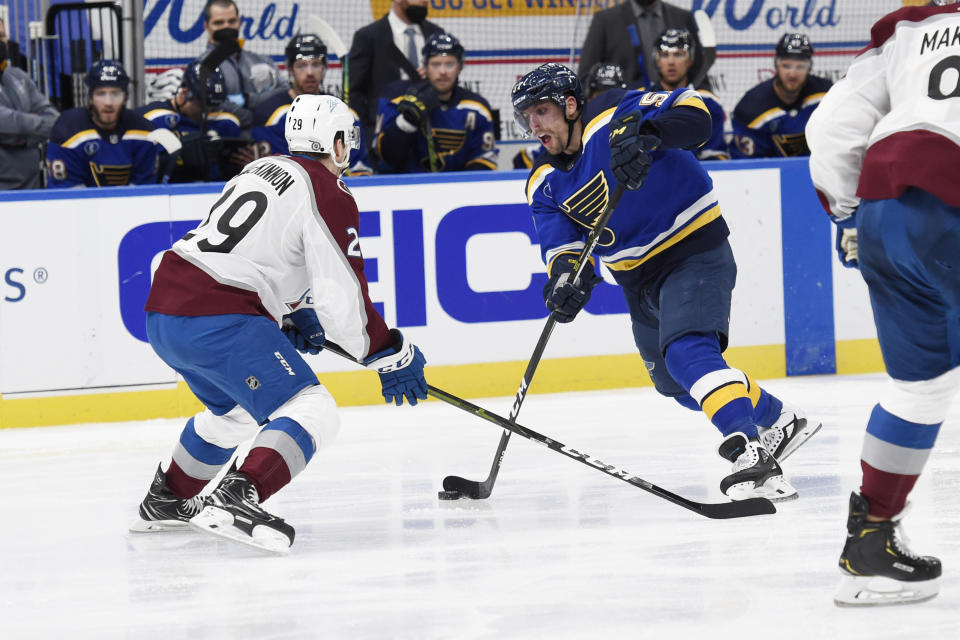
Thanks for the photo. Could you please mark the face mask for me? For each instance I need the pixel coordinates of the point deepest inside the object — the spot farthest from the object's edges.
(416, 14)
(645, 3)
(225, 35)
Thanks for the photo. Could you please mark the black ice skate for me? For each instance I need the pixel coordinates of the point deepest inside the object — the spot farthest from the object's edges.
(233, 511)
(163, 511)
(756, 473)
(786, 435)
(878, 567)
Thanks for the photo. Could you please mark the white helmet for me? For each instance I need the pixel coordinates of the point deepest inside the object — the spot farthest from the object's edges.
(313, 123)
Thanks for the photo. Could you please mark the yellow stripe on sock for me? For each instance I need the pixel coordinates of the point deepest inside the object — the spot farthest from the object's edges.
(753, 390)
(718, 399)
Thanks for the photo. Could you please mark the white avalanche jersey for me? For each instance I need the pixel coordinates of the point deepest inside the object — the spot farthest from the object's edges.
(893, 121)
(283, 232)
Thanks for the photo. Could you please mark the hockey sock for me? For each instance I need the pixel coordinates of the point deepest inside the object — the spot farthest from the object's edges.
(695, 361)
(280, 451)
(686, 401)
(195, 463)
(893, 456)
(766, 406)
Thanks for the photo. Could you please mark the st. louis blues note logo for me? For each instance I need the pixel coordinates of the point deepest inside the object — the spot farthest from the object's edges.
(586, 205)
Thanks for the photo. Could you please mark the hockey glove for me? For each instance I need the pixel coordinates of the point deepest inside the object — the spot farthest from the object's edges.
(303, 330)
(565, 297)
(415, 107)
(401, 371)
(631, 144)
(847, 243)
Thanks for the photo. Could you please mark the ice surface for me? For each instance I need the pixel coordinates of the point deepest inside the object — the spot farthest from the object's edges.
(559, 550)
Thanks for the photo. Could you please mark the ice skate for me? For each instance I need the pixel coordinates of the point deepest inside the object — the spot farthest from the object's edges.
(788, 433)
(163, 511)
(878, 567)
(233, 511)
(756, 473)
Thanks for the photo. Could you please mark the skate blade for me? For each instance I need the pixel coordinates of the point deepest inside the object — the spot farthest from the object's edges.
(157, 526)
(775, 489)
(220, 523)
(800, 439)
(877, 591)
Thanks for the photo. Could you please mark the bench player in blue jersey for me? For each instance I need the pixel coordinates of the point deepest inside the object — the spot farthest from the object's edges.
(103, 144)
(673, 53)
(204, 157)
(769, 120)
(435, 124)
(306, 56)
(665, 245)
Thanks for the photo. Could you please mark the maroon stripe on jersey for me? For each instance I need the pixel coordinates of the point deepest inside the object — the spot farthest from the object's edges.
(921, 159)
(267, 471)
(182, 289)
(338, 210)
(886, 492)
(884, 28)
(182, 485)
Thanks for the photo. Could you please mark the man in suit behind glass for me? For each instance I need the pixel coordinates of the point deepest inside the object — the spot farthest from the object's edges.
(626, 34)
(374, 61)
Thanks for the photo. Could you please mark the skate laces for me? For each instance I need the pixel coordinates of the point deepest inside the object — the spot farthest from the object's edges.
(749, 458)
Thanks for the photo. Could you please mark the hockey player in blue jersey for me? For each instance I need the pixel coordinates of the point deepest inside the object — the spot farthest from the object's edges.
(665, 245)
(204, 156)
(104, 144)
(769, 120)
(306, 57)
(673, 53)
(435, 124)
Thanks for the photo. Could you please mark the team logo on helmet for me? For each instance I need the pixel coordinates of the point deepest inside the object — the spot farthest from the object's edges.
(440, 44)
(107, 73)
(675, 40)
(604, 75)
(306, 45)
(794, 45)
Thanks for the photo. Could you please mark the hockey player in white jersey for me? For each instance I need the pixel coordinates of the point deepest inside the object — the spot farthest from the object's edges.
(274, 269)
(885, 146)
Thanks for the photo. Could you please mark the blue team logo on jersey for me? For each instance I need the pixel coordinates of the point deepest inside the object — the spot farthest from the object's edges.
(91, 148)
(171, 120)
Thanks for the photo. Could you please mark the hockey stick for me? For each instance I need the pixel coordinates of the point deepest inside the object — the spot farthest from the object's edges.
(455, 486)
(172, 145)
(322, 29)
(708, 42)
(720, 510)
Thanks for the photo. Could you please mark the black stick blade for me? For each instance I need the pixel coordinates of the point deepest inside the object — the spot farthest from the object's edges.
(467, 488)
(738, 508)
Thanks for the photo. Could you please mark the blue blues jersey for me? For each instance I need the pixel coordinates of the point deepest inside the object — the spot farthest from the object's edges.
(462, 134)
(81, 154)
(716, 147)
(163, 115)
(765, 127)
(270, 120)
(674, 214)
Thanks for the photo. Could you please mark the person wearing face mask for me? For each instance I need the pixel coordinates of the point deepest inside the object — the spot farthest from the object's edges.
(249, 77)
(103, 144)
(12, 51)
(376, 52)
(626, 35)
(26, 118)
(769, 120)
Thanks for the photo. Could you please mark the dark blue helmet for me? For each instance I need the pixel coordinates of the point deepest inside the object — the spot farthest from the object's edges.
(551, 81)
(306, 45)
(107, 73)
(442, 44)
(794, 45)
(674, 40)
(602, 76)
(216, 85)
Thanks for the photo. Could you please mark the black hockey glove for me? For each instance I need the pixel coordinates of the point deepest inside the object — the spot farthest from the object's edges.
(631, 144)
(416, 106)
(303, 330)
(565, 297)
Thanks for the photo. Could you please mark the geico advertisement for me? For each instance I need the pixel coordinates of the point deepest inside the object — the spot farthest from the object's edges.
(455, 265)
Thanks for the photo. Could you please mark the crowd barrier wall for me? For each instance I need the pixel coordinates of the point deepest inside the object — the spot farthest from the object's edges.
(452, 260)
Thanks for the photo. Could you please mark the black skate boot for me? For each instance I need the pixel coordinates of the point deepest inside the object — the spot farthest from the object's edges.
(878, 567)
(756, 473)
(233, 511)
(163, 511)
(786, 435)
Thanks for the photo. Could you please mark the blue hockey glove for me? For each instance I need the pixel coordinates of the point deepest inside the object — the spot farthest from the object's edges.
(564, 296)
(632, 144)
(303, 330)
(401, 371)
(847, 243)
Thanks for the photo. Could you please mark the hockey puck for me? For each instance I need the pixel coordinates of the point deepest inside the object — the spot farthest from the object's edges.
(448, 495)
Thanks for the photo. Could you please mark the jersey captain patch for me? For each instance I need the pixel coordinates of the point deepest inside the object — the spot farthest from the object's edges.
(587, 203)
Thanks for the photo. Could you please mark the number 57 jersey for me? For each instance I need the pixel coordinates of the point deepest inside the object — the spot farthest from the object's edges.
(283, 232)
